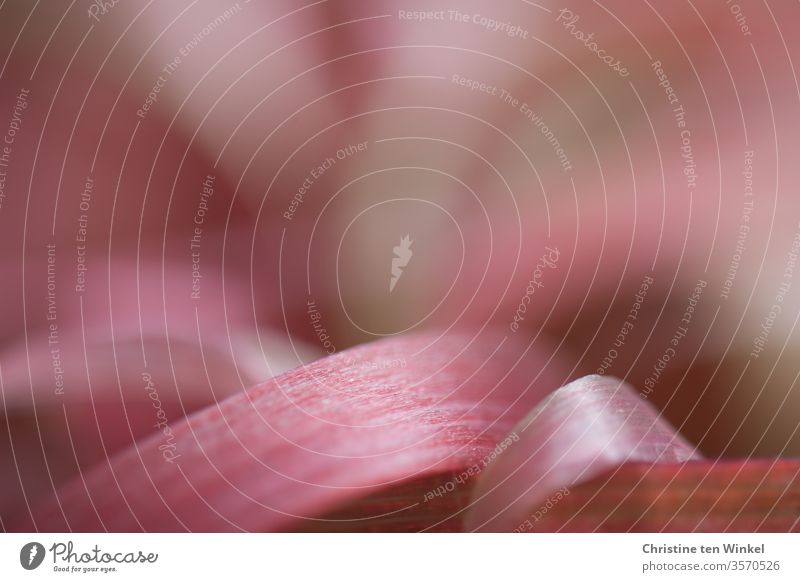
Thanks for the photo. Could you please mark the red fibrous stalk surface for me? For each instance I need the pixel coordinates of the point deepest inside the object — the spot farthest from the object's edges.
(760, 495)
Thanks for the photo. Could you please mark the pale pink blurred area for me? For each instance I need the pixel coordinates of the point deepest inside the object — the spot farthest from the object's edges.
(202, 195)
(487, 149)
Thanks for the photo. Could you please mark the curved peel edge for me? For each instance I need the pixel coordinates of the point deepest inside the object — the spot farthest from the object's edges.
(580, 431)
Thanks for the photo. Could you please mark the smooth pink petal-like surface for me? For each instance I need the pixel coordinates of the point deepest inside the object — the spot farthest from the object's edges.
(580, 431)
(314, 438)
